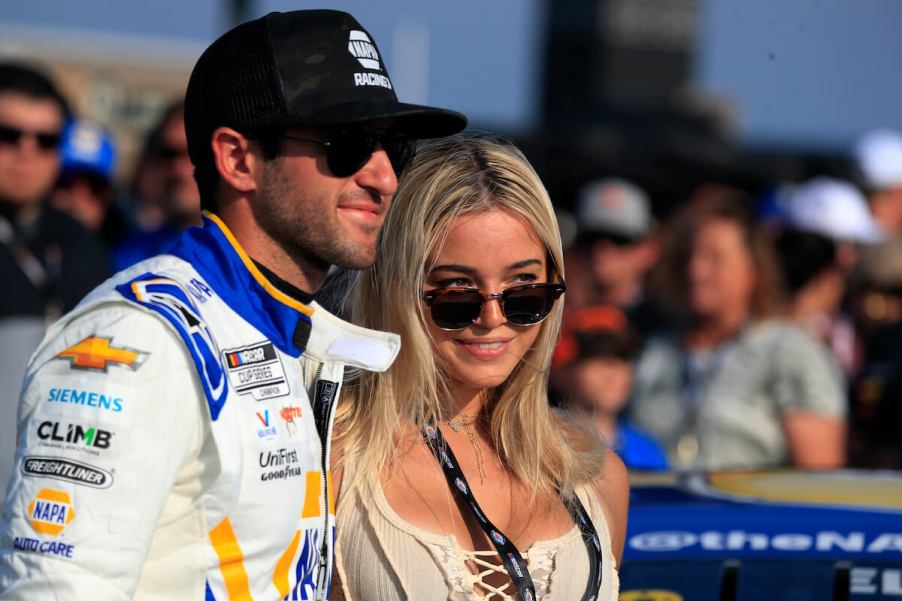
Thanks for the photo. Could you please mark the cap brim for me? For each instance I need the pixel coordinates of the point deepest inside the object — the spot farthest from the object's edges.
(415, 120)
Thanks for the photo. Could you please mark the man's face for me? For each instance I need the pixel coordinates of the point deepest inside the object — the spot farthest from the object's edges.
(320, 218)
(28, 168)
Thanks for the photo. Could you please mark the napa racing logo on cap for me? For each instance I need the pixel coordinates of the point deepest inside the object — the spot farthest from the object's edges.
(256, 370)
(362, 48)
(50, 511)
(65, 469)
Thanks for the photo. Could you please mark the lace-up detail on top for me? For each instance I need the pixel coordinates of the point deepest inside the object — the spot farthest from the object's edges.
(383, 558)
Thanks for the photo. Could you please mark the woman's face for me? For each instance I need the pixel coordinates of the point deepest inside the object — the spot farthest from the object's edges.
(721, 272)
(491, 251)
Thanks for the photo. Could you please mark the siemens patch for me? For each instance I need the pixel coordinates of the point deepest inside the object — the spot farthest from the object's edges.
(257, 371)
(64, 469)
(86, 398)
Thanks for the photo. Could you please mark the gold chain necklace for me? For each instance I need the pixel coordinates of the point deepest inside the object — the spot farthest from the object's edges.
(465, 423)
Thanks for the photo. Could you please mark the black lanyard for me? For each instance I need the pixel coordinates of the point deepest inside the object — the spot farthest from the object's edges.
(513, 561)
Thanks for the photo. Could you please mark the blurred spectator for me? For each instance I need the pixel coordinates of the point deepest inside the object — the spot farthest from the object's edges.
(615, 240)
(167, 197)
(84, 187)
(827, 221)
(48, 261)
(734, 387)
(594, 369)
(875, 287)
(878, 156)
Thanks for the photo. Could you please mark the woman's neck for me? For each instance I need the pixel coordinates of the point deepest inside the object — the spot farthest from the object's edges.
(709, 331)
(464, 401)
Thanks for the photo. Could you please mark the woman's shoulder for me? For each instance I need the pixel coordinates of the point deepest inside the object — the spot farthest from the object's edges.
(611, 488)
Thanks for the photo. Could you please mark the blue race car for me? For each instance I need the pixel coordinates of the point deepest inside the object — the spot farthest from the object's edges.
(764, 536)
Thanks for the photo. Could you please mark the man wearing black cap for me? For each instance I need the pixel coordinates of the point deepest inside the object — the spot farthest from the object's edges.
(174, 428)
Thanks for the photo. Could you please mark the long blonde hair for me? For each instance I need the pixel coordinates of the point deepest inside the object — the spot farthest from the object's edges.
(449, 178)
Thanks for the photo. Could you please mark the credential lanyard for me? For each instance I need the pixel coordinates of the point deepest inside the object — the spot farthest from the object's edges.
(513, 561)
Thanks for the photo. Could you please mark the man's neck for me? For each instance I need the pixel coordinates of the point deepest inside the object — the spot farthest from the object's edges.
(20, 214)
(304, 273)
(623, 294)
(283, 286)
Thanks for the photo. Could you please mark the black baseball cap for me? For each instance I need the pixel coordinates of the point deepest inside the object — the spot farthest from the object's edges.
(305, 67)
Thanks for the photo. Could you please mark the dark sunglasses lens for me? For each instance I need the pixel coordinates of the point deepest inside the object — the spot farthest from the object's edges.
(350, 151)
(9, 135)
(400, 150)
(526, 306)
(617, 240)
(48, 141)
(456, 309)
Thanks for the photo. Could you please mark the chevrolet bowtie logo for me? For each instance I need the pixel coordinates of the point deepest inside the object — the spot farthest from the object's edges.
(95, 353)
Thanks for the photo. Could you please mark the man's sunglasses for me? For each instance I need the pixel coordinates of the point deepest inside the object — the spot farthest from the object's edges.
(45, 140)
(349, 150)
(458, 308)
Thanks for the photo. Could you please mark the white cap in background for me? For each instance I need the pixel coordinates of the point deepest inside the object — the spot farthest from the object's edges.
(614, 206)
(878, 155)
(832, 208)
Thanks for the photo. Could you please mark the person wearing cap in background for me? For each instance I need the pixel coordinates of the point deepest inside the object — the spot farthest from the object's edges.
(615, 233)
(165, 199)
(174, 429)
(48, 261)
(84, 188)
(593, 366)
(827, 222)
(875, 291)
(878, 160)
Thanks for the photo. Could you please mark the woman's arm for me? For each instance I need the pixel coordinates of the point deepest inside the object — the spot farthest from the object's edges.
(613, 489)
(815, 440)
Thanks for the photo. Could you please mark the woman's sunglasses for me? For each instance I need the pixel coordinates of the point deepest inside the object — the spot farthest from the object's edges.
(349, 150)
(457, 308)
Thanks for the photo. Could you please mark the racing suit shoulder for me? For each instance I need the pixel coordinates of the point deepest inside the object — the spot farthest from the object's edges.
(110, 416)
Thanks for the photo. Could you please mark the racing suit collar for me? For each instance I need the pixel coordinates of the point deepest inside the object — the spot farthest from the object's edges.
(221, 261)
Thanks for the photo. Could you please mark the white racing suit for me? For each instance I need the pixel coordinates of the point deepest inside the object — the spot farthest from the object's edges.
(173, 437)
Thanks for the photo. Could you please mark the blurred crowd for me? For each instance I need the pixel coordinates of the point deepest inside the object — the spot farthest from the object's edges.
(65, 224)
(739, 332)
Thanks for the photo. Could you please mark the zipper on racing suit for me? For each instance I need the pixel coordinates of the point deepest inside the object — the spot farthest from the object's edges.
(324, 394)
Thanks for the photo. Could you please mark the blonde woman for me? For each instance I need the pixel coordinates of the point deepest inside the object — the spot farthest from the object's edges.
(456, 480)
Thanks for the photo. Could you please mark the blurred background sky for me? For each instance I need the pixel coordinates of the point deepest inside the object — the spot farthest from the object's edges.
(804, 72)
(670, 93)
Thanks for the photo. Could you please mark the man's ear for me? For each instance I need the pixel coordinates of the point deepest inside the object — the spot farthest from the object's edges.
(236, 162)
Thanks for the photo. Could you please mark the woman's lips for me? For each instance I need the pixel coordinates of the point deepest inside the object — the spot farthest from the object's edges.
(485, 350)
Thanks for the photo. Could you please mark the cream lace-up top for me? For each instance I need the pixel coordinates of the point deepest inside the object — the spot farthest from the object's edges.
(380, 557)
